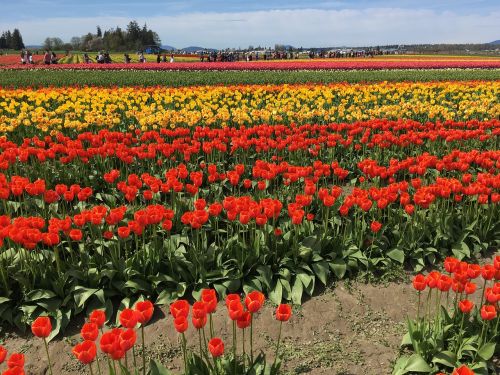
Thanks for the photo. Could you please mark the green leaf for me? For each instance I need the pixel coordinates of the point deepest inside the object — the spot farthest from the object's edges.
(487, 351)
(276, 294)
(446, 358)
(414, 363)
(297, 291)
(321, 270)
(397, 255)
(156, 368)
(339, 267)
(82, 295)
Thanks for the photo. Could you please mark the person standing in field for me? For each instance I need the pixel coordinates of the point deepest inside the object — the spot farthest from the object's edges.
(23, 58)
(47, 57)
(158, 58)
(164, 58)
(53, 58)
(172, 58)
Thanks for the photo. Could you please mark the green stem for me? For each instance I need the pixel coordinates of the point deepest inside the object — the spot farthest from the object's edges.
(251, 338)
(48, 356)
(278, 344)
(143, 352)
(91, 371)
(234, 345)
(184, 352)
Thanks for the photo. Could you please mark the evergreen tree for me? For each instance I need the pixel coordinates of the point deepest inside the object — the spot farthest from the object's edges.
(99, 32)
(17, 40)
(8, 38)
(3, 41)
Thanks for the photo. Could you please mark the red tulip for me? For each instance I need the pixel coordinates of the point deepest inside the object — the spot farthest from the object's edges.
(3, 354)
(108, 342)
(128, 318)
(144, 311)
(375, 226)
(179, 307)
(432, 279)
(216, 347)
(444, 283)
(16, 360)
(450, 264)
(235, 309)
(474, 271)
(41, 327)
(89, 331)
(470, 288)
(283, 312)
(98, 317)
(209, 298)
(466, 306)
(85, 352)
(76, 234)
(254, 301)
(419, 282)
(463, 370)
(14, 371)
(488, 272)
(199, 323)
(244, 320)
(488, 312)
(232, 297)
(181, 323)
(199, 310)
(127, 339)
(496, 262)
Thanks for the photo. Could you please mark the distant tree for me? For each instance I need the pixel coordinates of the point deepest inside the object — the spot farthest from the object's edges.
(8, 38)
(47, 44)
(99, 32)
(76, 42)
(3, 41)
(17, 40)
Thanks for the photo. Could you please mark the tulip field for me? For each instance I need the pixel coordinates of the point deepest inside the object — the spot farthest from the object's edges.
(120, 201)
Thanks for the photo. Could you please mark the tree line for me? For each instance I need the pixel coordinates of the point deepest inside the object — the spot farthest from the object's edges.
(11, 40)
(133, 37)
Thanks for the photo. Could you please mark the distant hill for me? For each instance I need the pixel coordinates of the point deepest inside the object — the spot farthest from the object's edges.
(192, 49)
(168, 48)
(34, 47)
(495, 42)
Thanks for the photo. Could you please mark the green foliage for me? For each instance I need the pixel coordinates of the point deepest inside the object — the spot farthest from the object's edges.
(35, 78)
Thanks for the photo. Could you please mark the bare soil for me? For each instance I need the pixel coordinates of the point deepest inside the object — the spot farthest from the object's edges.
(351, 328)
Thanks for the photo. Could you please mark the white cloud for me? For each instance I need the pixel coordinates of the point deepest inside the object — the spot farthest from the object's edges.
(299, 27)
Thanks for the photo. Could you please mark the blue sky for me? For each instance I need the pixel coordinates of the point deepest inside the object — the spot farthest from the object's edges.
(241, 23)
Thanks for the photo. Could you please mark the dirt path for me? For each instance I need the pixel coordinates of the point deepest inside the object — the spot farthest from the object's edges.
(352, 328)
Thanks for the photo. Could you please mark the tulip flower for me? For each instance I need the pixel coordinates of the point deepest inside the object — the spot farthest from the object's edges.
(42, 327)
(85, 352)
(97, 317)
(3, 354)
(89, 332)
(143, 311)
(465, 306)
(16, 360)
(216, 347)
(283, 313)
(463, 370)
(128, 318)
(179, 307)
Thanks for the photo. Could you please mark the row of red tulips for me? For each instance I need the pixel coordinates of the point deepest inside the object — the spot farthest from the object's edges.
(119, 344)
(279, 65)
(285, 140)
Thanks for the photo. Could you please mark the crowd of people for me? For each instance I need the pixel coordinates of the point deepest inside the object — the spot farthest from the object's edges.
(104, 57)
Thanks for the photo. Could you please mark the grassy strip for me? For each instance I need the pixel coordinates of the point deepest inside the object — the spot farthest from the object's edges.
(13, 78)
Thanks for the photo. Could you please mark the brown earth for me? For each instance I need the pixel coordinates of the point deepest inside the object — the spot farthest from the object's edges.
(351, 328)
